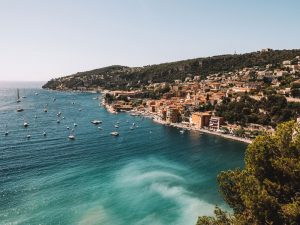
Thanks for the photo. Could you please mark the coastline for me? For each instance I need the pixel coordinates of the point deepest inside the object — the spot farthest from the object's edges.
(157, 119)
(185, 127)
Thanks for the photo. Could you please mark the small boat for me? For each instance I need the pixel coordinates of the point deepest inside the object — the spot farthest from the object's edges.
(116, 126)
(44, 134)
(96, 122)
(57, 121)
(95, 98)
(58, 114)
(100, 128)
(181, 131)
(35, 116)
(71, 137)
(114, 133)
(23, 97)
(68, 128)
(80, 109)
(36, 93)
(19, 109)
(28, 136)
(63, 117)
(131, 128)
(45, 110)
(54, 99)
(75, 124)
(26, 124)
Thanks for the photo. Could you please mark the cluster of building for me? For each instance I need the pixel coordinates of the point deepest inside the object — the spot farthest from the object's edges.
(192, 101)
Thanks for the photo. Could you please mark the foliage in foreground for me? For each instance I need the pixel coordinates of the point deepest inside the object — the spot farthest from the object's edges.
(267, 190)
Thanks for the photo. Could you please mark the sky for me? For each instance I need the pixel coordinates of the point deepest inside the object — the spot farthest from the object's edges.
(44, 39)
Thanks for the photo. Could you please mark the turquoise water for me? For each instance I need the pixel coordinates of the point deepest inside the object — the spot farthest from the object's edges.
(149, 175)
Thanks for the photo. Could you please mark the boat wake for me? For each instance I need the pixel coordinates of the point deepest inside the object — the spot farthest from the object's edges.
(155, 189)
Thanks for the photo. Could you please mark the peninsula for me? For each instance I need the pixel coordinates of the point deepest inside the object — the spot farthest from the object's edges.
(234, 96)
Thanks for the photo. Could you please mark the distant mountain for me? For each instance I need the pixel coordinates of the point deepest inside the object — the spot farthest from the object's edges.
(123, 77)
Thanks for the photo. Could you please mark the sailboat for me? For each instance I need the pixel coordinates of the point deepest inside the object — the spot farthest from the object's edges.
(6, 131)
(72, 135)
(18, 96)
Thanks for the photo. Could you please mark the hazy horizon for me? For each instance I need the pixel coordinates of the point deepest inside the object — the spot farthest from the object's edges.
(49, 39)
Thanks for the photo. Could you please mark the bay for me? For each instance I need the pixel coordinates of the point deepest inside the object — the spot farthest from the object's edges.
(152, 174)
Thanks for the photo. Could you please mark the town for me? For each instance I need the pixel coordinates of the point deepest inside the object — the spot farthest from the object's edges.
(202, 104)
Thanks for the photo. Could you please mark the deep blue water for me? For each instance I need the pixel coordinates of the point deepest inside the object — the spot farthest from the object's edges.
(149, 175)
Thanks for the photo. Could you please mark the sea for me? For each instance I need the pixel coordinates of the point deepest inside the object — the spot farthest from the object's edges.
(149, 175)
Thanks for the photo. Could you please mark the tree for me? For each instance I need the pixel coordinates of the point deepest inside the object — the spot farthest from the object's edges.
(267, 190)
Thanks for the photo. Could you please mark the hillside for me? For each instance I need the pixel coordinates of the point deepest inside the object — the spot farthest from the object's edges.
(122, 77)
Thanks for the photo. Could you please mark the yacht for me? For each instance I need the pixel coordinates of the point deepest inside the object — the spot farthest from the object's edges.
(114, 133)
(96, 122)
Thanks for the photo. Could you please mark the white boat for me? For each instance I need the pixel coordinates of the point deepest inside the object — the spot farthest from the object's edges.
(100, 128)
(45, 110)
(36, 93)
(44, 134)
(96, 122)
(58, 114)
(57, 121)
(28, 136)
(131, 128)
(114, 133)
(116, 126)
(181, 131)
(75, 124)
(68, 128)
(71, 137)
(26, 124)
(19, 109)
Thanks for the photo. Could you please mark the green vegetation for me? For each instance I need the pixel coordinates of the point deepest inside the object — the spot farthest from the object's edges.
(122, 77)
(269, 110)
(267, 190)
